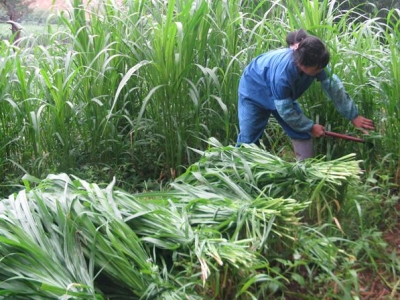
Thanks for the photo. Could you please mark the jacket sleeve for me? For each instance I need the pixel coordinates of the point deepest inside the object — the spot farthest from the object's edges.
(333, 87)
(297, 120)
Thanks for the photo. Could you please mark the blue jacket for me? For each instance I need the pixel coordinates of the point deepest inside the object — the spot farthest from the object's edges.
(273, 81)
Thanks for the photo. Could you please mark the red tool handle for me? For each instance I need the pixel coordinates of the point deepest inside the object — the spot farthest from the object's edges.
(344, 136)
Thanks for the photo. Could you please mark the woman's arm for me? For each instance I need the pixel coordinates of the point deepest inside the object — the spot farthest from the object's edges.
(297, 120)
(334, 88)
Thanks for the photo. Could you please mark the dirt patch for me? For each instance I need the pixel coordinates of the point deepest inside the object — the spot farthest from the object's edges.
(381, 285)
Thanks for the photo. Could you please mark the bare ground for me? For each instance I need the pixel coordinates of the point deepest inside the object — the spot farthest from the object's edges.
(383, 286)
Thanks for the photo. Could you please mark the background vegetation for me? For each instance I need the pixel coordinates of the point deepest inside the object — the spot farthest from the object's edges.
(135, 92)
(105, 86)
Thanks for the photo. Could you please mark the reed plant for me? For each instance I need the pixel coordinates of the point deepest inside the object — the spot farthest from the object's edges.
(118, 80)
(205, 230)
(148, 90)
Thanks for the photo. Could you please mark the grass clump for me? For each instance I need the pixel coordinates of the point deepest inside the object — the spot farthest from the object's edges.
(226, 219)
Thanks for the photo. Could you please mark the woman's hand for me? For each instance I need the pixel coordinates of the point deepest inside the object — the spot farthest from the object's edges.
(317, 130)
(363, 123)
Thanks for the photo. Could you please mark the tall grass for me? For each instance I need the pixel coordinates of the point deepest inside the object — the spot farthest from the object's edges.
(134, 92)
(116, 81)
(219, 231)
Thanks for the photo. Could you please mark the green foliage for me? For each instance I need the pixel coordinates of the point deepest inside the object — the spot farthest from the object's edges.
(128, 92)
(14, 10)
(372, 8)
(217, 223)
(114, 82)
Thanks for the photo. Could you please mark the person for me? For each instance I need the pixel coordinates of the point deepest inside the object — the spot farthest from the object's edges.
(272, 83)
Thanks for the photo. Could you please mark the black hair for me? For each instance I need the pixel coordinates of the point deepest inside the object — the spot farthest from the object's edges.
(296, 37)
(310, 51)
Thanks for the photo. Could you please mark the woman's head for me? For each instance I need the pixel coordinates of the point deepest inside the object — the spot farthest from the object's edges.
(295, 37)
(309, 51)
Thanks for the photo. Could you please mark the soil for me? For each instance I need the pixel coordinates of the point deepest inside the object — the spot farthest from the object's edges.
(383, 286)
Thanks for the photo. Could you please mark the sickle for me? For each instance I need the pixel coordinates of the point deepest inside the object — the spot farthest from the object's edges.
(344, 136)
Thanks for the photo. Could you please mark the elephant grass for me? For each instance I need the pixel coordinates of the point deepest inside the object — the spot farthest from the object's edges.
(201, 232)
(114, 81)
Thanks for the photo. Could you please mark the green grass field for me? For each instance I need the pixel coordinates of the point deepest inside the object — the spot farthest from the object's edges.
(119, 175)
(34, 33)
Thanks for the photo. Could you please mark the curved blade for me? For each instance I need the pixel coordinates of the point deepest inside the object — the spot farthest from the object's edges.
(344, 136)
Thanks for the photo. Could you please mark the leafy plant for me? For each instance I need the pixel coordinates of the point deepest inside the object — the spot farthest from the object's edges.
(216, 223)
